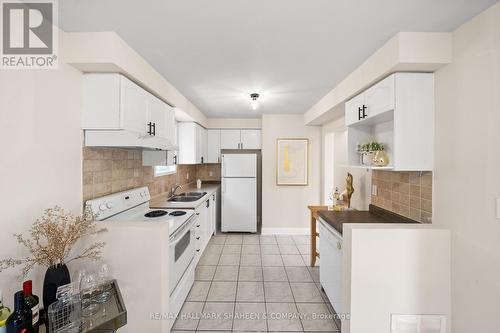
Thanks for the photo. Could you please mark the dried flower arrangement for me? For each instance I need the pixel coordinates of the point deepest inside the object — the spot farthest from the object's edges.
(52, 238)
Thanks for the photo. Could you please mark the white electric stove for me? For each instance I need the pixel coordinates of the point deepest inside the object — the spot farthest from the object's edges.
(133, 206)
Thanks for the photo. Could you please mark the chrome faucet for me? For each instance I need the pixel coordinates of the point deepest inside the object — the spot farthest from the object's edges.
(173, 189)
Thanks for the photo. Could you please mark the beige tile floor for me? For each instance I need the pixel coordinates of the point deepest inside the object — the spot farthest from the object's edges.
(254, 283)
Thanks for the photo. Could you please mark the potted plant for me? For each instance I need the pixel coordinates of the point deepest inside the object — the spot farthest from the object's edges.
(52, 237)
(380, 157)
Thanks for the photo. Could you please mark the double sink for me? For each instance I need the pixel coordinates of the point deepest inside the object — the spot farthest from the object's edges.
(187, 197)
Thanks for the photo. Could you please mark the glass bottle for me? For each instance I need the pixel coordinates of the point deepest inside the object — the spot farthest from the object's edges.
(20, 319)
(32, 302)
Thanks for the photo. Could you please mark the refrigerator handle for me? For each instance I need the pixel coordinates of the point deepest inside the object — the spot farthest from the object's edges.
(223, 165)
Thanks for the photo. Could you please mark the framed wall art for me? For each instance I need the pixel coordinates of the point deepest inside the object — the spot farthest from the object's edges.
(292, 161)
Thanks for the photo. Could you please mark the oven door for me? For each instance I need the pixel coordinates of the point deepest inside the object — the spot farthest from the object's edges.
(181, 252)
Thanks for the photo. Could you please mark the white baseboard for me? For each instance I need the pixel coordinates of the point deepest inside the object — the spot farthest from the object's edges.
(286, 231)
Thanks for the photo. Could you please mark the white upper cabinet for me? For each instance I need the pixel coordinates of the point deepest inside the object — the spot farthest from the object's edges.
(240, 139)
(198, 145)
(112, 102)
(399, 113)
(213, 149)
(353, 109)
(375, 100)
(157, 117)
(192, 143)
(230, 138)
(379, 98)
(133, 106)
(250, 139)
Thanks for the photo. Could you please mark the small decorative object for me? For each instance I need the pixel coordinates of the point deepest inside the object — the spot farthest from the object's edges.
(373, 153)
(52, 238)
(381, 159)
(292, 161)
(349, 190)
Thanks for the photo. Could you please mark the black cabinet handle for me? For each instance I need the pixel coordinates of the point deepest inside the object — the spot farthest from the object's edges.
(198, 250)
(197, 226)
(154, 129)
(149, 128)
(198, 237)
(359, 113)
(202, 160)
(364, 111)
(208, 203)
(175, 159)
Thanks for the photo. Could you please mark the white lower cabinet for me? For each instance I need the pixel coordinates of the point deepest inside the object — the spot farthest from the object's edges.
(330, 269)
(203, 227)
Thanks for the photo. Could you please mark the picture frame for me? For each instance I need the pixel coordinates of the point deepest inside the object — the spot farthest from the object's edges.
(292, 161)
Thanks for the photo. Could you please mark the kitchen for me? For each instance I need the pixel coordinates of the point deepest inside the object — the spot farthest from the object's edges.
(127, 130)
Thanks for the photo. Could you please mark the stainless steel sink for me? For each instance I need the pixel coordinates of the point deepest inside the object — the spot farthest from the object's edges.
(187, 197)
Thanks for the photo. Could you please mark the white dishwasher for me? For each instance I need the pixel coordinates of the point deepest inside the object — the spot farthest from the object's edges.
(330, 268)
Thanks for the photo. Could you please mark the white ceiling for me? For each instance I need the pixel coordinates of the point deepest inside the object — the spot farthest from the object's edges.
(292, 52)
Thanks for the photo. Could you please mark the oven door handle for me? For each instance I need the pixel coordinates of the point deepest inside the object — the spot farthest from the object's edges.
(177, 236)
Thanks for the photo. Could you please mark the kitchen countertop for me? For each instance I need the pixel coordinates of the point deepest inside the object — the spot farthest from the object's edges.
(160, 201)
(373, 215)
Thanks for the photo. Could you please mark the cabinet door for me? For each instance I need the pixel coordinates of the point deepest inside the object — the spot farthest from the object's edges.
(230, 139)
(213, 149)
(170, 125)
(188, 143)
(134, 106)
(352, 113)
(101, 101)
(250, 139)
(380, 97)
(201, 144)
(157, 116)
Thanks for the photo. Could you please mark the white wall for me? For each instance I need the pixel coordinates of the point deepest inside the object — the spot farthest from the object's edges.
(467, 177)
(284, 208)
(40, 112)
(334, 137)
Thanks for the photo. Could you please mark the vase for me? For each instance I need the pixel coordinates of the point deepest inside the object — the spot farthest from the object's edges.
(367, 158)
(380, 158)
(55, 276)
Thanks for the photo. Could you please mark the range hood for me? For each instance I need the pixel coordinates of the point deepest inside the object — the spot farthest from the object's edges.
(126, 139)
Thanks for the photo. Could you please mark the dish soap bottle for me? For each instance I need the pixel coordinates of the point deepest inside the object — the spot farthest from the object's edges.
(4, 314)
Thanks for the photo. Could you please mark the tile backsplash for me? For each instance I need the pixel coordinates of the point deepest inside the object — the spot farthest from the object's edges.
(404, 193)
(208, 171)
(111, 170)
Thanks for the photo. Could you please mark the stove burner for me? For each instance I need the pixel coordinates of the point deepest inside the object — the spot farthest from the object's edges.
(156, 213)
(178, 213)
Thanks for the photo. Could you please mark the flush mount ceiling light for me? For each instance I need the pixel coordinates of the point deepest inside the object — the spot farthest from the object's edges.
(255, 103)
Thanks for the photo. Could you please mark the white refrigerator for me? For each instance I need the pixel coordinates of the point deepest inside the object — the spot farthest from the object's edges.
(239, 193)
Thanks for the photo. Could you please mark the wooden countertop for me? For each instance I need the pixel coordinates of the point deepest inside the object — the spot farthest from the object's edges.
(373, 215)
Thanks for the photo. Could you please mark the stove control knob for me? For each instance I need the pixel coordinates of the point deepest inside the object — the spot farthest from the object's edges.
(143, 194)
(109, 205)
(102, 207)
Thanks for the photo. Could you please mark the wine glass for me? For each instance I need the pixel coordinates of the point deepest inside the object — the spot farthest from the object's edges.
(88, 290)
